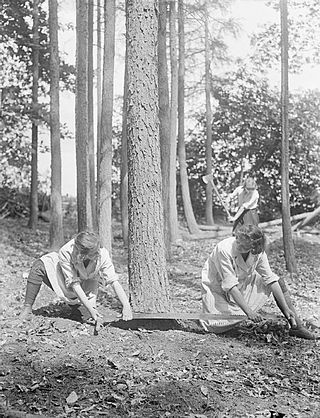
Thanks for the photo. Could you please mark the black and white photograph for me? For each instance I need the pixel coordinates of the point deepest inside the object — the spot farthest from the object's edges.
(160, 208)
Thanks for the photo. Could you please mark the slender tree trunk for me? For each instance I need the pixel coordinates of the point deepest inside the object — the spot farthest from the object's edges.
(188, 211)
(33, 221)
(124, 158)
(149, 288)
(164, 117)
(99, 96)
(209, 194)
(105, 169)
(285, 159)
(56, 228)
(82, 146)
(90, 117)
(173, 212)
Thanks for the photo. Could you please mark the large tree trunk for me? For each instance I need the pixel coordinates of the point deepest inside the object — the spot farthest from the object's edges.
(90, 117)
(209, 194)
(56, 228)
(173, 211)
(99, 98)
(82, 149)
(33, 221)
(149, 288)
(105, 169)
(164, 117)
(188, 211)
(291, 263)
(124, 158)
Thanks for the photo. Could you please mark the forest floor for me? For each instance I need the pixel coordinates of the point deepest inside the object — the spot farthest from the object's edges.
(54, 366)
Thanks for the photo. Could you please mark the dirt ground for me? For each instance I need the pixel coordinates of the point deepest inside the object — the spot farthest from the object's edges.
(54, 366)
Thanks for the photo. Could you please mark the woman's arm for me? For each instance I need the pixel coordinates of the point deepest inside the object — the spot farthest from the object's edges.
(126, 308)
(85, 300)
(239, 299)
(282, 304)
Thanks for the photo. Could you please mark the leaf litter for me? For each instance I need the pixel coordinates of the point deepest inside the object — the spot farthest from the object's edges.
(54, 366)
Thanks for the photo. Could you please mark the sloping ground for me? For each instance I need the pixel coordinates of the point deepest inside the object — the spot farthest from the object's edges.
(54, 365)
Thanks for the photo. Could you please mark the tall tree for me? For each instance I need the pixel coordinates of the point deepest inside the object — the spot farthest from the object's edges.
(209, 211)
(91, 155)
(149, 288)
(285, 191)
(105, 167)
(188, 211)
(33, 221)
(82, 148)
(164, 117)
(173, 211)
(99, 91)
(56, 228)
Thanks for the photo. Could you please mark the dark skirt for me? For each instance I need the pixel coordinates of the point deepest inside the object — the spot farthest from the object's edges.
(248, 217)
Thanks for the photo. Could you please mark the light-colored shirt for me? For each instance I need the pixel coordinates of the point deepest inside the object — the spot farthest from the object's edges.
(226, 268)
(64, 269)
(247, 199)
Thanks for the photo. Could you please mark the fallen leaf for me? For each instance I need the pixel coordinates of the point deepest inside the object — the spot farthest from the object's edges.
(72, 398)
(204, 390)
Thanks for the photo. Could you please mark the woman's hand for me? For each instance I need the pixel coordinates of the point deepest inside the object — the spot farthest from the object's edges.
(127, 313)
(290, 316)
(254, 317)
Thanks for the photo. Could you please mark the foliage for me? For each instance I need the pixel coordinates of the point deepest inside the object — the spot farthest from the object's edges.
(247, 137)
(304, 32)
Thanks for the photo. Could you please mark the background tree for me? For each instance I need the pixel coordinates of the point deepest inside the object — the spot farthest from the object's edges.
(82, 149)
(124, 158)
(173, 211)
(56, 228)
(187, 206)
(105, 166)
(99, 91)
(33, 220)
(91, 155)
(285, 190)
(209, 211)
(164, 117)
(149, 289)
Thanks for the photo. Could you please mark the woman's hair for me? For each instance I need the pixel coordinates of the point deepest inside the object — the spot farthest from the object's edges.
(250, 182)
(251, 234)
(87, 242)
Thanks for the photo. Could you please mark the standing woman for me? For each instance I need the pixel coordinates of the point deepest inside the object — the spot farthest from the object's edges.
(248, 197)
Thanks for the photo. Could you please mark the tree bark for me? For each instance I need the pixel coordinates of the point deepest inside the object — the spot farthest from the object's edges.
(33, 221)
(82, 147)
(173, 211)
(105, 169)
(209, 193)
(149, 288)
(188, 211)
(164, 117)
(56, 227)
(291, 263)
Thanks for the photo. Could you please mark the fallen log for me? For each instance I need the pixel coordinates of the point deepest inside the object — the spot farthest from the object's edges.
(279, 221)
(213, 227)
(309, 218)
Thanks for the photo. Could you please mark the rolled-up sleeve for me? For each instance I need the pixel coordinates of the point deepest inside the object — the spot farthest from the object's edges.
(263, 268)
(65, 261)
(106, 271)
(224, 265)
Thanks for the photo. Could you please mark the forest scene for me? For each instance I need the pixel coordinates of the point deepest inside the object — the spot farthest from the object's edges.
(159, 208)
